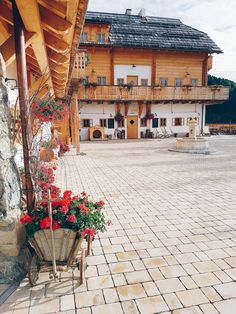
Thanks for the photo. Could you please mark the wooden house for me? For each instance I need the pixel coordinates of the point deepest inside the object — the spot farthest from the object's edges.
(143, 73)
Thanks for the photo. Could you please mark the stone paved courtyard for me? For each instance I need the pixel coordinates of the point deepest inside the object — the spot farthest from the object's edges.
(172, 245)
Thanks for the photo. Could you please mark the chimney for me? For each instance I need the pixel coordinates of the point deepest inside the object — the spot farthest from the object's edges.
(128, 11)
(142, 13)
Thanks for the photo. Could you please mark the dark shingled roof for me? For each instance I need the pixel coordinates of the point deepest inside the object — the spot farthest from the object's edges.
(151, 32)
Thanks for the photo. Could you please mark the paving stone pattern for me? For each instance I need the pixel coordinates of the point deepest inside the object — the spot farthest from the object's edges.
(172, 245)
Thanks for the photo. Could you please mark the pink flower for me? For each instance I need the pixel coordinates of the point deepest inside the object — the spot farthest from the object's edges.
(64, 209)
(84, 209)
(109, 222)
(71, 218)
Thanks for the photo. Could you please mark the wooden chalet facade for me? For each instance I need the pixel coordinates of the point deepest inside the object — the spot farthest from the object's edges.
(135, 65)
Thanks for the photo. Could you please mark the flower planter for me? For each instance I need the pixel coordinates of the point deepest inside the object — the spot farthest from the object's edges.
(67, 242)
(46, 155)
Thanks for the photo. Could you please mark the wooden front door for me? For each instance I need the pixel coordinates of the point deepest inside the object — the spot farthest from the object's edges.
(132, 79)
(132, 127)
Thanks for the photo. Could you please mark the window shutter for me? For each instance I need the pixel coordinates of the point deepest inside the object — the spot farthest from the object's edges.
(155, 123)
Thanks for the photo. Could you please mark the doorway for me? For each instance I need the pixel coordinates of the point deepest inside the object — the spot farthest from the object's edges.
(132, 127)
(132, 79)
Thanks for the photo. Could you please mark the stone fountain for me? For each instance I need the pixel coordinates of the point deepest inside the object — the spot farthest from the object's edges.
(192, 144)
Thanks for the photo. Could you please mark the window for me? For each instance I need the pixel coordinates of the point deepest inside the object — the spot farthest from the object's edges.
(155, 123)
(101, 80)
(111, 123)
(178, 121)
(103, 123)
(162, 121)
(84, 37)
(163, 81)
(178, 82)
(144, 82)
(120, 81)
(87, 123)
(143, 122)
(101, 38)
(193, 82)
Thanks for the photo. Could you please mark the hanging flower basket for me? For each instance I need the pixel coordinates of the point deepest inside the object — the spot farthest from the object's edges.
(119, 117)
(149, 116)
(49, 110)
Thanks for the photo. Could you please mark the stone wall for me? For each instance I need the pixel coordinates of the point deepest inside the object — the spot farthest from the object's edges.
(10, 230)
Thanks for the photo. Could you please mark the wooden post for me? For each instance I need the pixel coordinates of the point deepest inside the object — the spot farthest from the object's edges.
(75, 125)
(19, 37)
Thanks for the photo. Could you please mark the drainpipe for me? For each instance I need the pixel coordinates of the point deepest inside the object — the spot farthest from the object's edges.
(202, 119)
(23, 99)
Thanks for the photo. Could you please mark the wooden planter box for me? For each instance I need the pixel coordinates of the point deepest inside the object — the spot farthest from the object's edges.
(67, 245)
(46, 155)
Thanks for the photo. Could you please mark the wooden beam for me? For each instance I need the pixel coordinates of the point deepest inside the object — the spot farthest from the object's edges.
(55, 43)
(54, 22)
(6, 13)
(57, 57)
(140, 109)
(4, 32)
(59, 68)
(154, 66)
(31, 18)
(7, 49)
(57, 7)
(112, 66)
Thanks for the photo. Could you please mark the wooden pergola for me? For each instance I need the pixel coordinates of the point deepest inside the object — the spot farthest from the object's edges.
(42, 37)
(52, 31)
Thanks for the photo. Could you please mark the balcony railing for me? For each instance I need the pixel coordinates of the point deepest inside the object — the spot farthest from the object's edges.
(209, 94)
(78, 71)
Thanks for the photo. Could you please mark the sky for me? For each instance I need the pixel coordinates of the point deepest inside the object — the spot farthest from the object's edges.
(215, 17)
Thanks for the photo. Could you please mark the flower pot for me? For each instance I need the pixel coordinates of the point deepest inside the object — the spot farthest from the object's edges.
(67, 244)
(46, 154)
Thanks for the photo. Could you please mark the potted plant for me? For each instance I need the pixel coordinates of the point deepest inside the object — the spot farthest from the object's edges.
(71, 215)
(47, 110)
(149, 116)
(64, 148)
(119, 117)
(46, 151)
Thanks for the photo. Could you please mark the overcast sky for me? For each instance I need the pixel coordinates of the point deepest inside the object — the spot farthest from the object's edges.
(215, 17)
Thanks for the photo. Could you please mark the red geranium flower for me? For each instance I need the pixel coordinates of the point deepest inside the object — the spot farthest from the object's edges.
(26, 219)
(109, 223)
(84, 194)
(55, 225)
(54, 168)
(71, 218)
(84, 209)
(67, 194)
(64, 209)
(89, 231)
(101, 203)
(45, 223)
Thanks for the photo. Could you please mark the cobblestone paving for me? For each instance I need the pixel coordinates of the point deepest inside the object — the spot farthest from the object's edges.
(172, 245)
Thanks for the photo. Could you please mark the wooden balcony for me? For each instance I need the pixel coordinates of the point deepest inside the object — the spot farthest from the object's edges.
(210, 94)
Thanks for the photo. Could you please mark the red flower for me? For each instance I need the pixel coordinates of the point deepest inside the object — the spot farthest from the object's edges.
(89, 231)
(64, 209)
(26, 219)
(45, 223)
(109, 223)
(65, 202)
(100, 203)
(67, 194)
(74, 198)
(54, 168)
(84, 209)
(84, 194)
(71, 218)
(55, 225)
